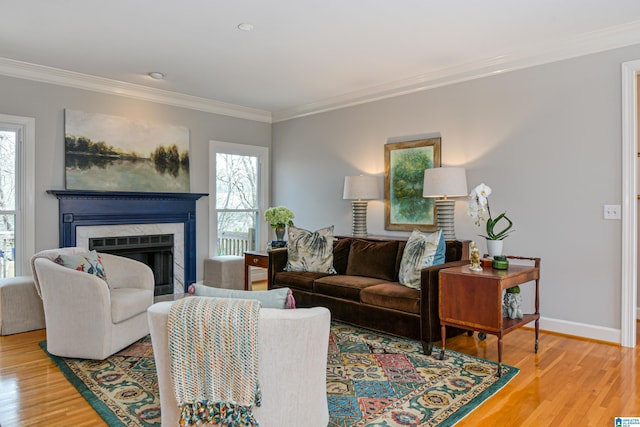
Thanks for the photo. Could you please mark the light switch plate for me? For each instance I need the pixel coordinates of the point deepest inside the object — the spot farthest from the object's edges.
(611, 211)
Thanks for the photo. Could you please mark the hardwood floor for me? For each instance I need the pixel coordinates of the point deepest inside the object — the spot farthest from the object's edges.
(569, 382)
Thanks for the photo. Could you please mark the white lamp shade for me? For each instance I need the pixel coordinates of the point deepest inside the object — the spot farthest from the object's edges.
(361, 187)
(445, 182)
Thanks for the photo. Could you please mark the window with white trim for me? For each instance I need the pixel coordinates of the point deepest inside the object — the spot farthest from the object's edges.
(238, 188)
(16, 195)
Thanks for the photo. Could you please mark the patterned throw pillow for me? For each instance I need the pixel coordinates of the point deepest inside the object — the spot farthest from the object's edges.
(273, 298)
(89, 262)
(440, 257)
(310, 250)
(418, 254)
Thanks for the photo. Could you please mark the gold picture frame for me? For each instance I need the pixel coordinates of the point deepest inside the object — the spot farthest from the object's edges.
(404, 164)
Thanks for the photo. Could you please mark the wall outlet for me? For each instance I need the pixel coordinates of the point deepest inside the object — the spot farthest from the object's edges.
(611, 211)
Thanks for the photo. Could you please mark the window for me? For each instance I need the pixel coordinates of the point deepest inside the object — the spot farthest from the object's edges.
(16, 195)
(237, 198)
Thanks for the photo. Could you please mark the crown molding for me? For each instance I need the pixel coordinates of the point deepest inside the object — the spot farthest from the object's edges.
(44, 74)
(584, 44)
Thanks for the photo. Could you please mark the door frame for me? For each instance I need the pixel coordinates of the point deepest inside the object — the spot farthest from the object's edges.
(629, 286)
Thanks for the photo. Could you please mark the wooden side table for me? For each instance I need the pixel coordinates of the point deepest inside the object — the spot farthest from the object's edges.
(253, 259)
(473, 300)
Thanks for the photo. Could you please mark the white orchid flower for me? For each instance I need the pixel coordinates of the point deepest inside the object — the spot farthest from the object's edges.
(478, 203)
(472, 206)
(478, 206)
(483, 192)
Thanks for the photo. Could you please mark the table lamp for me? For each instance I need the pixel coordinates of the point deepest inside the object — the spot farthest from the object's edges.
(442, 183)
(360, 189)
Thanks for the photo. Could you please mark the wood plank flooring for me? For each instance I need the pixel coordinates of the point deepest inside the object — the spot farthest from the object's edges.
(569, 382)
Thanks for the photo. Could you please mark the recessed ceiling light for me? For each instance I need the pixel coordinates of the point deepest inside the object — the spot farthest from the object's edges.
(156, 75)
(245, 26)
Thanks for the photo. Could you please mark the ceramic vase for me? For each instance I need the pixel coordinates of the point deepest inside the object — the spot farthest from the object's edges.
(280, 232)
(494, 247)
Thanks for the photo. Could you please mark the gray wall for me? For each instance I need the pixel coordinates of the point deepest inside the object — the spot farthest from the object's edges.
(46, 103)
(547, 140)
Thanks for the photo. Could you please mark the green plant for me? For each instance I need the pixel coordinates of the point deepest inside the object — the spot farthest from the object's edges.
(278, 216)
(478, 205)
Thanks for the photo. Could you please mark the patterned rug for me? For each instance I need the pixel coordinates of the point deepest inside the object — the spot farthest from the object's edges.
(373, 380)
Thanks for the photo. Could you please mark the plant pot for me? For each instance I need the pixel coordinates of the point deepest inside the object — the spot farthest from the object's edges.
(280, 232)
(494, 247)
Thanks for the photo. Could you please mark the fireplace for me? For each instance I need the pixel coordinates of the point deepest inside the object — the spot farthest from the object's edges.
(154, 250)
(87, 215)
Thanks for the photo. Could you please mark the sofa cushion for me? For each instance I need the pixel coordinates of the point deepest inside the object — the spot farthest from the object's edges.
(418, 254)
(373, 259)
(341, 255)
(392, 295)
(129, 302)
(454, 251)
(401, 245)
(310, 250)
(345, 287)
(302, 280)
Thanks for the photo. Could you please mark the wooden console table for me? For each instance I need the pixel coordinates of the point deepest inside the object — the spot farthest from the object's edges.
(253, 259)
(473, 300)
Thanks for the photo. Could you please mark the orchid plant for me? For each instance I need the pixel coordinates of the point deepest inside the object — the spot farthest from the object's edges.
(278, 216)
(478, 207)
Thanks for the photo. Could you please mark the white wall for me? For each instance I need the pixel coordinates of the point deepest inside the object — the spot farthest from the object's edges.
(546, 139)
(46, 103)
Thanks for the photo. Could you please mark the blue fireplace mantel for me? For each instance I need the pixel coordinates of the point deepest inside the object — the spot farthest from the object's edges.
(90, 208)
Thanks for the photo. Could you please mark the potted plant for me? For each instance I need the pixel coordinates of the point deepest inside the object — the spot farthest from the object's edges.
(477, 208)
(279, 217)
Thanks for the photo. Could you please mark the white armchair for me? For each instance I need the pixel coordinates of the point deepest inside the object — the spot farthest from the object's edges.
(87, 317)
(293, 346)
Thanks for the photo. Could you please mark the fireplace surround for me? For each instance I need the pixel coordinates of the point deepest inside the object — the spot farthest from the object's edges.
(83, 209)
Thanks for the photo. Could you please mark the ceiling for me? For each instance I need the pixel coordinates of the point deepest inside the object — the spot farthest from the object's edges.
(302, 56)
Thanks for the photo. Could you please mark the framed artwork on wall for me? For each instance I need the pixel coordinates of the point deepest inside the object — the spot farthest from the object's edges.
(110, 153)
(404, 164)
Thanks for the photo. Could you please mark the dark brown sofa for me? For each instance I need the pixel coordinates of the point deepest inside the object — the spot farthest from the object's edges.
(366, 292)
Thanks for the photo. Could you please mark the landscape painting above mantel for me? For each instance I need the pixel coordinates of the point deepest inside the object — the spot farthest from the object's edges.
(111, 153)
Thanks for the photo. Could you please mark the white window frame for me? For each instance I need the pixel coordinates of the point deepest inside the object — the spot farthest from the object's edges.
(262, 153)
(25, 191)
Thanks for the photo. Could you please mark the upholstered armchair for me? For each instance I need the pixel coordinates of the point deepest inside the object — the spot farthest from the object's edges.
(293, 346)
(87, 317)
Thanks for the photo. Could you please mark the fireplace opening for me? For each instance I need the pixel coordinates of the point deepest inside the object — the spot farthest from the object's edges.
(155, 250)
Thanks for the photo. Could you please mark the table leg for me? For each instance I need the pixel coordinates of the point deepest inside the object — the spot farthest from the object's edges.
(443, 332)
(537, 334)
(246, 277)
(499, 355)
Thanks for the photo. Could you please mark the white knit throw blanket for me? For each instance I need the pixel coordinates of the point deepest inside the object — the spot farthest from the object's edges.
(213, 353)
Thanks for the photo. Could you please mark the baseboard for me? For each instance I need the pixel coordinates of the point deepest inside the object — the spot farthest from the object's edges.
(582, 330)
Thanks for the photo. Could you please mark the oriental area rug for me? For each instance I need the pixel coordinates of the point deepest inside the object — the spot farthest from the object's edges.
(373, 379)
